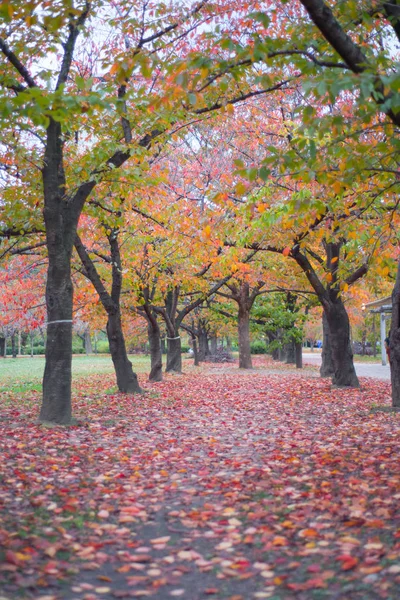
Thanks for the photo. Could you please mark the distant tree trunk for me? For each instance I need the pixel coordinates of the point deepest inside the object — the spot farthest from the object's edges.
(213, 344)
(342, 355)
(2, 345)
(87, 342)
(95, 342)
(394, 342)
(126, 379)
(203, 344)
(19, 343)
(326, 369)
(299, 355)
(13, 346)
(153, 332)
(5, 346)
(290, 353)
(229, 344)
(195, 353)
(163, 345)
(244, 338)
(31, 336)
(174, 354)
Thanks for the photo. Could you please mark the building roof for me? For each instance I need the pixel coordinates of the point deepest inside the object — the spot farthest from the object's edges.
(382, 304)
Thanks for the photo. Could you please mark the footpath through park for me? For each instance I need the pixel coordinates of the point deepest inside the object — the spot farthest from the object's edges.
(215, 484)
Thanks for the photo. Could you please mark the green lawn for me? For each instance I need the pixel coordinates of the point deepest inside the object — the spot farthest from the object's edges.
(25, 373)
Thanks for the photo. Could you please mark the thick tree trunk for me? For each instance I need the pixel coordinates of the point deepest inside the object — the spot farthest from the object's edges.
(299, 355)
(127, 380)
(203, 344)
(244, 338)
(326, 369)
(290, 353)
(174, 354)
(394, 342)
(153, 332)
(56, 405)
(342, 355)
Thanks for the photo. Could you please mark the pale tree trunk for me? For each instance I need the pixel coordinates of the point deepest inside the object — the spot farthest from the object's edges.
(88, 342)
(326, 369)
(394, 342)
(13, 346)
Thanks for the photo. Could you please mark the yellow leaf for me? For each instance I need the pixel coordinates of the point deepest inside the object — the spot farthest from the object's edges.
(207, 231)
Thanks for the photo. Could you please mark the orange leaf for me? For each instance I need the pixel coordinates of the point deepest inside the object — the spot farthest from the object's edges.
(286, 251)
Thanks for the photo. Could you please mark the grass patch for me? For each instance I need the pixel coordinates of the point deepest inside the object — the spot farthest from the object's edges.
(25, 374)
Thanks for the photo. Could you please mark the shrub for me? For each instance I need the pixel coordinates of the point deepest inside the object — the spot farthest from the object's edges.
(184, 348)
(103, 347)
(258, 347)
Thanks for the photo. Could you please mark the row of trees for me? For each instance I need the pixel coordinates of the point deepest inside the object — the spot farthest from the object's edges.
(196, 149)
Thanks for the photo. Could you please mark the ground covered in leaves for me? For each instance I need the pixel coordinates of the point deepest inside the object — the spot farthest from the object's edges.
(215, 484)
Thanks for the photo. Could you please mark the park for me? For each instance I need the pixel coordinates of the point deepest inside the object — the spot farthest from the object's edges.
(199, 300)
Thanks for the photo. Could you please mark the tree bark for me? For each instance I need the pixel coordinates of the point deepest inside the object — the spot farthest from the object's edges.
(174, 354)
(126, 379)
(299, 355)
(88, 342)
(290, 352)
(195, 353)
(213, 344)
(244, 338)
(56, 404)
(344, 374)
(394, 342)
(13, 346)
(326, 369)
(153, 332)
(204, 350)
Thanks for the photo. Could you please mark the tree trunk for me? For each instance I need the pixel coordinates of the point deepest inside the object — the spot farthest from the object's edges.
(203, 344)
(299, 355)
(244, 338)
(342, 355)
(326, 369)
(290, 352)
(13, 346)
(229, 344)
(394, 342)
(174, 354)
(56, 405)
(88, 342)
(31, 345)
(127, 380)
(213, 344)
(163, 345)
(195, 353)
(2, 345)
(153, 332)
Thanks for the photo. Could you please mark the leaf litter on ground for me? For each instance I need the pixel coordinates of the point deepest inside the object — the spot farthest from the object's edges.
(215, 484)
